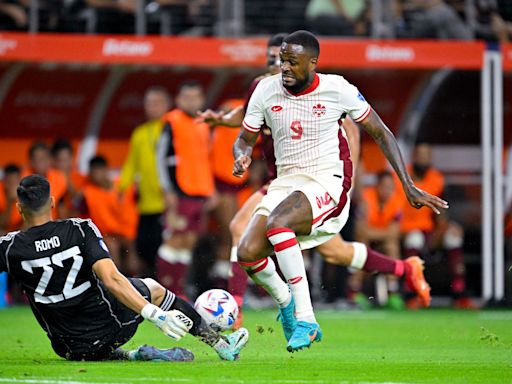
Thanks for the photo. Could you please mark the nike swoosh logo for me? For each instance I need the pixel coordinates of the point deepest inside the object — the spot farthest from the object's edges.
(312, 335)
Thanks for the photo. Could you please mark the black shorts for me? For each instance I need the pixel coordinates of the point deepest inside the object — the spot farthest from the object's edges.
(117, 333)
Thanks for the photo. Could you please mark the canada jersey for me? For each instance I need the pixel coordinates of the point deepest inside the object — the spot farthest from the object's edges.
(305, 127)
(53, 263)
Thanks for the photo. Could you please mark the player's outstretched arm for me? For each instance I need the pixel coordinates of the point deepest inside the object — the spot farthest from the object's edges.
(232, 118)
(173, 323)
(242, 151)
(387, 143)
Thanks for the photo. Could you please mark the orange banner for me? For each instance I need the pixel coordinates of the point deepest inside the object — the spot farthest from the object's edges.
(214, 52)
(506, 50)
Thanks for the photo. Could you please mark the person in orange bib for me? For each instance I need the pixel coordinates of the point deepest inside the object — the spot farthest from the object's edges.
(40, 162)
(423, 233)
(10, 218)
(379, 227)
(187, 180)
(114, 213)
(63, 160)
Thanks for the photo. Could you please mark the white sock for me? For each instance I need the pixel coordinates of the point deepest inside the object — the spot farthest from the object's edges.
(233, 255)
(360, 255)
(291, 262)
(263, 272)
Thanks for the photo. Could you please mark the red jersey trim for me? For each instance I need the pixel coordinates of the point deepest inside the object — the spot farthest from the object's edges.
(314, 85)
(364, 115)
(249, 128)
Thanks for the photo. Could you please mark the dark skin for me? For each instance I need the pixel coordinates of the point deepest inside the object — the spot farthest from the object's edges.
(298, 69)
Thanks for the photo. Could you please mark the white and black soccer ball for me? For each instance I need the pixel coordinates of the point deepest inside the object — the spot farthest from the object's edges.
(218, 308)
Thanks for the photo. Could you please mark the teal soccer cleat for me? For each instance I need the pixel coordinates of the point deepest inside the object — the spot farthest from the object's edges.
(149, 353)
(288, 320)
(304, 335)
(232, 344)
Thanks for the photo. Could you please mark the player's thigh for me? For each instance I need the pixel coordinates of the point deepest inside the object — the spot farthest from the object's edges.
(337, 251)
(254, 244)
(243, 216)
(294, 212)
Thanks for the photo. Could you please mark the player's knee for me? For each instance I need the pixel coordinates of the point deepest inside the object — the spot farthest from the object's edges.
(156, 289)
(414, 240)
(247, 251)
(277, 221)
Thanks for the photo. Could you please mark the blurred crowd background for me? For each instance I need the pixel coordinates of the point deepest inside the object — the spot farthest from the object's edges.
(101, 136)
(450, 19)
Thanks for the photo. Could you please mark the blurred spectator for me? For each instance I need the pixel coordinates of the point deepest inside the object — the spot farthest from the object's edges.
(337, 17)
(13, 15)
(174, 17)
(227, 186)
(486, 22)
(187, 180)
(112, 16)
(379, 226)
(423, 234)
(10, 218)
(140, 168)
(113, 213)
(40, 162)
(433, 19)
(63, 160)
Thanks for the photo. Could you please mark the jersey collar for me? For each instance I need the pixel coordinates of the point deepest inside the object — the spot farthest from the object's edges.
(314, 85)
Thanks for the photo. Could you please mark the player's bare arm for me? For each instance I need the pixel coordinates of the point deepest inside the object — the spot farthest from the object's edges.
(242, 151)
(387, 143)
(171, 323)
(119, 285)
(232, 118)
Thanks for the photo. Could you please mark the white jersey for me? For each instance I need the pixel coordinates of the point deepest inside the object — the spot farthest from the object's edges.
(308, 137)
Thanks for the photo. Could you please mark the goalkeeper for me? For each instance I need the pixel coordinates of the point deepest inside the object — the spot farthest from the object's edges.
(85, 305)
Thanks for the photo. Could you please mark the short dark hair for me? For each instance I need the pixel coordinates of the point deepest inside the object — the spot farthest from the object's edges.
(36, 146)
(61, 144)
(97, 162)
(11, 168)
(382, 175)
(189, 84)
(276, 40)
(306, 39)
(33, 192)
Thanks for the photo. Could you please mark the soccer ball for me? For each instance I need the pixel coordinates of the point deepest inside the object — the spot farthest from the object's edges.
(218, 308)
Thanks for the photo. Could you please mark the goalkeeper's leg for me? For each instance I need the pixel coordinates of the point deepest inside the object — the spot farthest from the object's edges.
(227, 347)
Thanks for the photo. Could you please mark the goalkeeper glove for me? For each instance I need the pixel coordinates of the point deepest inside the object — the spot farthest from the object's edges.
(173, 323)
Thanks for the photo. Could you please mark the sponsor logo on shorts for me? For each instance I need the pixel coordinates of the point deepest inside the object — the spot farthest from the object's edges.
(323, 200)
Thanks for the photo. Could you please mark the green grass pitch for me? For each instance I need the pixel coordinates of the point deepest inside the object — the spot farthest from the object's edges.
(433, 346)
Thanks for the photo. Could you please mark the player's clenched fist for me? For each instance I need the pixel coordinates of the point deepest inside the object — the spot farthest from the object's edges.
(241, 165)
(173, 323)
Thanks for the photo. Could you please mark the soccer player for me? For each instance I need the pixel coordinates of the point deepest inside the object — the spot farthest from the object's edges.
(85, 305)
(308, 203)
(379, 225)
(423, 233)
(336, 251)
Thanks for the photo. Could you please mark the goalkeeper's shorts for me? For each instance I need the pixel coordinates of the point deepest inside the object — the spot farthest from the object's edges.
(115, 333)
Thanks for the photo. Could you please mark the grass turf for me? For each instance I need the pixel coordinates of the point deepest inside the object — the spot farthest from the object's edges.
(434, 346)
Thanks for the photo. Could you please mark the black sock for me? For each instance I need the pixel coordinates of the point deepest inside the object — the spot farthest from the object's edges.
(199, 328)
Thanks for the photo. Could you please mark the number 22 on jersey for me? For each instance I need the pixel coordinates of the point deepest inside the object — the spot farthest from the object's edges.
(48, 265)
